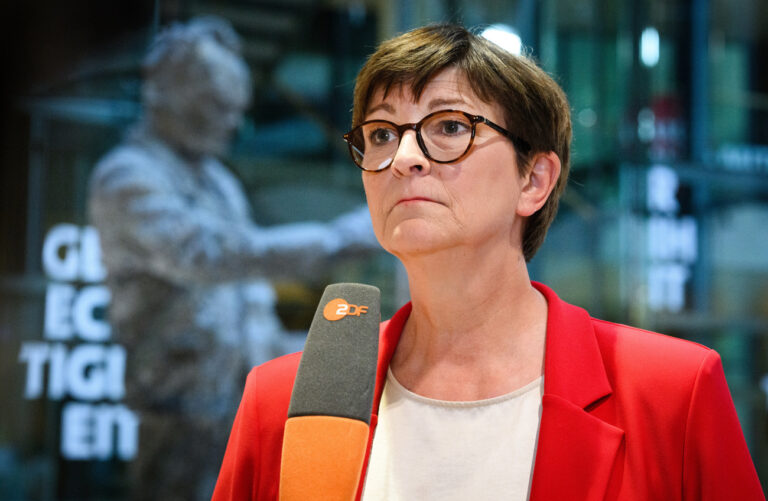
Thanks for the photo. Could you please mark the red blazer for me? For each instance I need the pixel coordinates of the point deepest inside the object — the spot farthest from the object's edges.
(627, 415)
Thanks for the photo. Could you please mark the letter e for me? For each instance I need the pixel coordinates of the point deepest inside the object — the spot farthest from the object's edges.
(91, 266)
(76, 426)
(58, 305)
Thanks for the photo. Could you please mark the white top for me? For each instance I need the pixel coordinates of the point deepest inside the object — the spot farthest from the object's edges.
(435, 449)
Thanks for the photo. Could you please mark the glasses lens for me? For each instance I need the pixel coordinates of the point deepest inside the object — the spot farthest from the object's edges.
(374, 145)
(447, 135)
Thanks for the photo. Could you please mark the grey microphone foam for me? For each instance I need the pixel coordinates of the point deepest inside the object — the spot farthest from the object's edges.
(337, 371)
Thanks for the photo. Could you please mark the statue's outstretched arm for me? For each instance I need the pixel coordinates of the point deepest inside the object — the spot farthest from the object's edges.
(145, 223)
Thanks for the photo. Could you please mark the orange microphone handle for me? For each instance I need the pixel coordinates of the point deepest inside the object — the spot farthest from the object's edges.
(322, 458)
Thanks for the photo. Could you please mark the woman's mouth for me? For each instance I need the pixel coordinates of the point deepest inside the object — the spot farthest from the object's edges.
(414, 200)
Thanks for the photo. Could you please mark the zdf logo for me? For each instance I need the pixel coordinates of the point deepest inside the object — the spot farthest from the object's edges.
(336, 309)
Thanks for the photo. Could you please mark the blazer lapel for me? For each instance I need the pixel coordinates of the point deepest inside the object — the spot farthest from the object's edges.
(576, 451)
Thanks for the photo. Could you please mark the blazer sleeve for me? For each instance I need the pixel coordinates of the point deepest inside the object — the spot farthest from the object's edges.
(238, 477)
(717, 464)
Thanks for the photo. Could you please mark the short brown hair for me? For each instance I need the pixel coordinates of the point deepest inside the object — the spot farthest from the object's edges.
(535, 107)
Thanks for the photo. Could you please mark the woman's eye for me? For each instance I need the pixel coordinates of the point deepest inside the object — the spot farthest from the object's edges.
(381, 136)
(453, 127)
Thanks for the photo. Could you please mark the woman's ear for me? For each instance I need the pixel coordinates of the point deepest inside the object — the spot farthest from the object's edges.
(538, 183)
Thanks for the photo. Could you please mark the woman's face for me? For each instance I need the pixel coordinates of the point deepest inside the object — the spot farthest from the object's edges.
(419, 206)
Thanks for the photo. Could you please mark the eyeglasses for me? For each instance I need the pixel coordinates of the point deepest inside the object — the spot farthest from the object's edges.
(444, 137)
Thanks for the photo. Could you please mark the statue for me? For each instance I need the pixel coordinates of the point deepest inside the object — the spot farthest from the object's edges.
(187, 267)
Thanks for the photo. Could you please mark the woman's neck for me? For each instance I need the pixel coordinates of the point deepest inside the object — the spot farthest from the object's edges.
(477, 327)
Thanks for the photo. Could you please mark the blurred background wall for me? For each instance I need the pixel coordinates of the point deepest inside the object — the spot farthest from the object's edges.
(663, 224)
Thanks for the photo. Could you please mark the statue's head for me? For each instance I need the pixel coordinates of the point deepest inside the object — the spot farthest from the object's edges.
(196, 85)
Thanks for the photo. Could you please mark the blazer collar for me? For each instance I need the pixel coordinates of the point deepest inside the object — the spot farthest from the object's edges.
(573, 365)
(576, 452)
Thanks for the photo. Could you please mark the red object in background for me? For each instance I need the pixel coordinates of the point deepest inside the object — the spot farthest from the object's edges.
(668, 141)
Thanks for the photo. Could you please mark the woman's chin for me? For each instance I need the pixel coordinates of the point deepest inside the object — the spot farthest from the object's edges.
(416, 237)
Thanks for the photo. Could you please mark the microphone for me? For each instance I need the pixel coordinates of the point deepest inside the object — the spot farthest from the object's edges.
(326, 434)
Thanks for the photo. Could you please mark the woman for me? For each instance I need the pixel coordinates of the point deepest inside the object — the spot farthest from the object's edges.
(489, 386)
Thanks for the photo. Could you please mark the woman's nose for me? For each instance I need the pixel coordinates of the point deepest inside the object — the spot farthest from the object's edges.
(409, 159)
